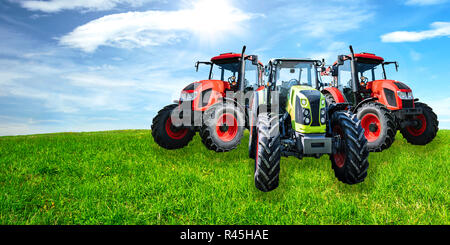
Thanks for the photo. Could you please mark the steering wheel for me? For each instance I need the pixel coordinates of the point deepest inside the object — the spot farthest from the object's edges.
(293, 81)
(232, 79)
(364, 79)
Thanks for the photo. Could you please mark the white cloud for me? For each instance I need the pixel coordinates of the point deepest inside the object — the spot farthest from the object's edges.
(424, 2)
(438, 29)
(205, 19)
(83, 5)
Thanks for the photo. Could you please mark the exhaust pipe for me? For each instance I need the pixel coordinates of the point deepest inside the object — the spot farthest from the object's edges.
(355, 80)
(242, 70)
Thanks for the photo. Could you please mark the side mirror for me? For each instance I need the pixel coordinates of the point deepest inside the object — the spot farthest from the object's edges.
(340, 60)
(396, 66)
(334, 71)
(254, 59)
(196, 66)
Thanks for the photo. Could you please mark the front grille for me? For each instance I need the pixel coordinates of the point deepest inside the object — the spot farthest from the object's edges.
(407, 103)
(314, 101)
(315, 113)
(390, 97)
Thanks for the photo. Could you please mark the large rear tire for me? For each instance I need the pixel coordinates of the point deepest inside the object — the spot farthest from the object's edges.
(268, 152)
(379, 126)
(427, 129)
(165, 134)
(223, 127)
(350, 162)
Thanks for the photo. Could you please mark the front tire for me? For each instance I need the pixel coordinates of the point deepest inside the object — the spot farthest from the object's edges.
(223, 127)
(427, 130)
(350, 161)
(268, 153)
(379, 126)
(165, 134)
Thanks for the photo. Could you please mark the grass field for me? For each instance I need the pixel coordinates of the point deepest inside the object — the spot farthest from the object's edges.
(123, 177)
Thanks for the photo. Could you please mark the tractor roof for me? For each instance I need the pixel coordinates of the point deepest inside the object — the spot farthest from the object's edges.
(369, 56)
(294, 59)
(227, 58)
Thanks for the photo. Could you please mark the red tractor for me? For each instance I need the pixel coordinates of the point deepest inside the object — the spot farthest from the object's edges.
(382, 105)
(205, 106)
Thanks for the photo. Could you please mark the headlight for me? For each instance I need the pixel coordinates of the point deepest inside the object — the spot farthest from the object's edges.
(306, 120)
(405, 95)
(306, 112)
(304, 103)
(323, 116)
(188, 96)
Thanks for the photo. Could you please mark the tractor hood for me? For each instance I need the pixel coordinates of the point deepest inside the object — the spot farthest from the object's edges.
(393, 84)
(394, 94)
(217, 85)
(307, 109)
(202, 94)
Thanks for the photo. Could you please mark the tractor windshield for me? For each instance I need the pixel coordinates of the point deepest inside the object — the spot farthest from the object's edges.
(367, 71)
(371, 71)
(224, 71)
(229, 72)
(295, 73)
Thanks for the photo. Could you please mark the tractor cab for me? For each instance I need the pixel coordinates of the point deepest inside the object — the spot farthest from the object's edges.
(371, 81)
(226, 68)
(284, 73)
(226, 73)
(296, 81)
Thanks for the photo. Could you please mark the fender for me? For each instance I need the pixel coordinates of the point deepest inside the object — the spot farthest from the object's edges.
(336, 93)
(363, 102)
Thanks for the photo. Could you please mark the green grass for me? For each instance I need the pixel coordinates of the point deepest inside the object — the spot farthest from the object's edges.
(123, 177)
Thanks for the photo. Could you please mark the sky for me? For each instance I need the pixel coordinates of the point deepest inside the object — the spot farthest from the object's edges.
(92, 65)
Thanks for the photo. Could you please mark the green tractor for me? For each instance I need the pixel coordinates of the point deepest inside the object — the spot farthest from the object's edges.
(294, 119)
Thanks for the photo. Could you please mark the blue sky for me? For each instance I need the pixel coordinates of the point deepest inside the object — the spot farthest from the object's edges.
(112, 64)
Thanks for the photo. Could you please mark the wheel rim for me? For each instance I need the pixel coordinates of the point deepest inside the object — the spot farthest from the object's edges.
(174, 133)
(339, 157)
(226, 127)
(372, 126)
(417, 131)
